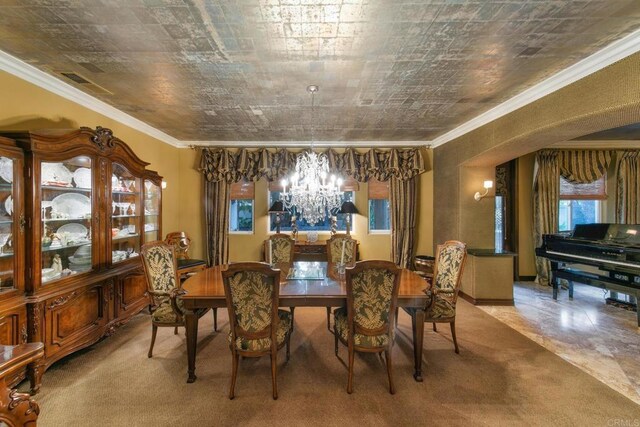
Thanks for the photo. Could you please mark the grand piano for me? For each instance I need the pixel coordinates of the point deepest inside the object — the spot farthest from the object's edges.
(602, 255)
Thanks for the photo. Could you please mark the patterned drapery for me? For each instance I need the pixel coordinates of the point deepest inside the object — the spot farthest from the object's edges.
(216, 212)
(628, 187)
(583, 166)
(403, 200)
(221, 167)
(221, 164)
(546, 198)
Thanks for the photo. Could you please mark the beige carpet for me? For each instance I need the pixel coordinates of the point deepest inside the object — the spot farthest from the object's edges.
(500, 377)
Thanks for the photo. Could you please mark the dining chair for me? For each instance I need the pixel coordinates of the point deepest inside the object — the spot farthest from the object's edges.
(367, 323)
(187, 266)
(257, 326)
(334, 257)
(161, 274)
(444, 288)
(281, 253)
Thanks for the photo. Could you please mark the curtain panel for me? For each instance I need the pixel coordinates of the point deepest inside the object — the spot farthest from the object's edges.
(546, 196)
(221, 167)
(628, 187)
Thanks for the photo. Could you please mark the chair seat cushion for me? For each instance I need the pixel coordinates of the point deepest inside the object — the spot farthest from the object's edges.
(263, 344)
(342, 329)
(164, 312)
(440, 310)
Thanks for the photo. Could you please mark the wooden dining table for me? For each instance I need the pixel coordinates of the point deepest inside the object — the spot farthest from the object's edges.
(205, 289)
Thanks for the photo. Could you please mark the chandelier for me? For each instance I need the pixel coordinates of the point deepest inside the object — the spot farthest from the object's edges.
(312, 191)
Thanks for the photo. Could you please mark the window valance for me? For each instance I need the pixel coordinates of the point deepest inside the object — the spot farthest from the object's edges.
(221, 164)
(583, 166)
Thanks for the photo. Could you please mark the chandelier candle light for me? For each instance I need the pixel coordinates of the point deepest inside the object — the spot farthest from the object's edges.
(312, 191)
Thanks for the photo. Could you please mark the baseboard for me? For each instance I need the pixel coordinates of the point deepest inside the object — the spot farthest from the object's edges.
(483, 301)
(526, 278)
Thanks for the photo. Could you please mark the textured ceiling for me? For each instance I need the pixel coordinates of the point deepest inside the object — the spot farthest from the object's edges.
(237, 70)
(623, 133)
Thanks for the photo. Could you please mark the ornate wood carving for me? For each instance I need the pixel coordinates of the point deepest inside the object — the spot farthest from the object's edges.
(62, 300)
(103, 138)
(23, 333)
(34, 313)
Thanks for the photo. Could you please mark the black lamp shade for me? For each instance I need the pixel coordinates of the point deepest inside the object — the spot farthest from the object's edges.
(348, 208)
(277, 206)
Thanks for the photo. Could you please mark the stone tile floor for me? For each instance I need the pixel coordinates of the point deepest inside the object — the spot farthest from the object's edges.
(600, 339)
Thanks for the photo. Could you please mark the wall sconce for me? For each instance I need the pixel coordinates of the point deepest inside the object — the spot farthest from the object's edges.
(163, 184)
(487, 185)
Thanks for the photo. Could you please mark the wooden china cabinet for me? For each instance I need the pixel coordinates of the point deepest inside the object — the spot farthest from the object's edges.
(89, 206)
(13, 311)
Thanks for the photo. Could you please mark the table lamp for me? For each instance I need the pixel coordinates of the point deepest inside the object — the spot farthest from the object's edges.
(277, 207)
(348, 208)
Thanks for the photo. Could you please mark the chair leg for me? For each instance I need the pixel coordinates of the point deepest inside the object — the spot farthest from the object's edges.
(453, 335)
(292, 309)
(335, 336)
(397, 310)
(274, 371)
(329, 318)
(234, 375)
(288, 347)
(387, 356)
(435, 329)
(350, 380)
(215, 320)
(154, 331)
(175, 331)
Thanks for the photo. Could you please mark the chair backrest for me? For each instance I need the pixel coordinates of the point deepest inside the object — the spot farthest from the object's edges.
(447, 273)
(181, 242)
(282, 248)
(334, 249)
(372, 296)
(160, 267)
(252, 290)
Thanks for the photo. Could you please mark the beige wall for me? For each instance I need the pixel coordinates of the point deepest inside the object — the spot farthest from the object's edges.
(526, 257)
(248, 247)
(28, 107)
(25, 106)
(603, 100)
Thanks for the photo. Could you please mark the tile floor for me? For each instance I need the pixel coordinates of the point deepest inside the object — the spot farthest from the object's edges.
(600, 339)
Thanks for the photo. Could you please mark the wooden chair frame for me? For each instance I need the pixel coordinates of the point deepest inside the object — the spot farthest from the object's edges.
(173, 295)
(268, 332)
(434, 291)
(387, 328)
(330, 265)
(284, 267)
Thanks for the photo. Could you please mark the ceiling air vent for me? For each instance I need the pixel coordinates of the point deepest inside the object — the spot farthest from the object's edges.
(85, 83)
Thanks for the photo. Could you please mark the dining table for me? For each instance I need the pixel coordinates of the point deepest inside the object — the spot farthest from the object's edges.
(305, 285)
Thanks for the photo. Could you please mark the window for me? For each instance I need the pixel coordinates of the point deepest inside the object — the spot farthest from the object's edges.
(379, 209)
(241, 207)
(580, 203)
(325, 225)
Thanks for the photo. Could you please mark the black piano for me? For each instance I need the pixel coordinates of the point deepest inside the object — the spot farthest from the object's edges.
(602, 255)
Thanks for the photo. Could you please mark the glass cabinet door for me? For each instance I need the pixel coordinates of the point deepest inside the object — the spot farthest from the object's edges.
(151, 211)
(125, 217)
(7, 219)
(65, 204)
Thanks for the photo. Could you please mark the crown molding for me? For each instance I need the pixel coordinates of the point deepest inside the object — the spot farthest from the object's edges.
(610, 54)
(306, 144)
(24, 71)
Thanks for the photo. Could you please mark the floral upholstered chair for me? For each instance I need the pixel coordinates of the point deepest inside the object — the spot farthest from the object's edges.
(161, 273)
(257, 327)
(334, 257)
(366, 324)
(447, 275)
(282, 249)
